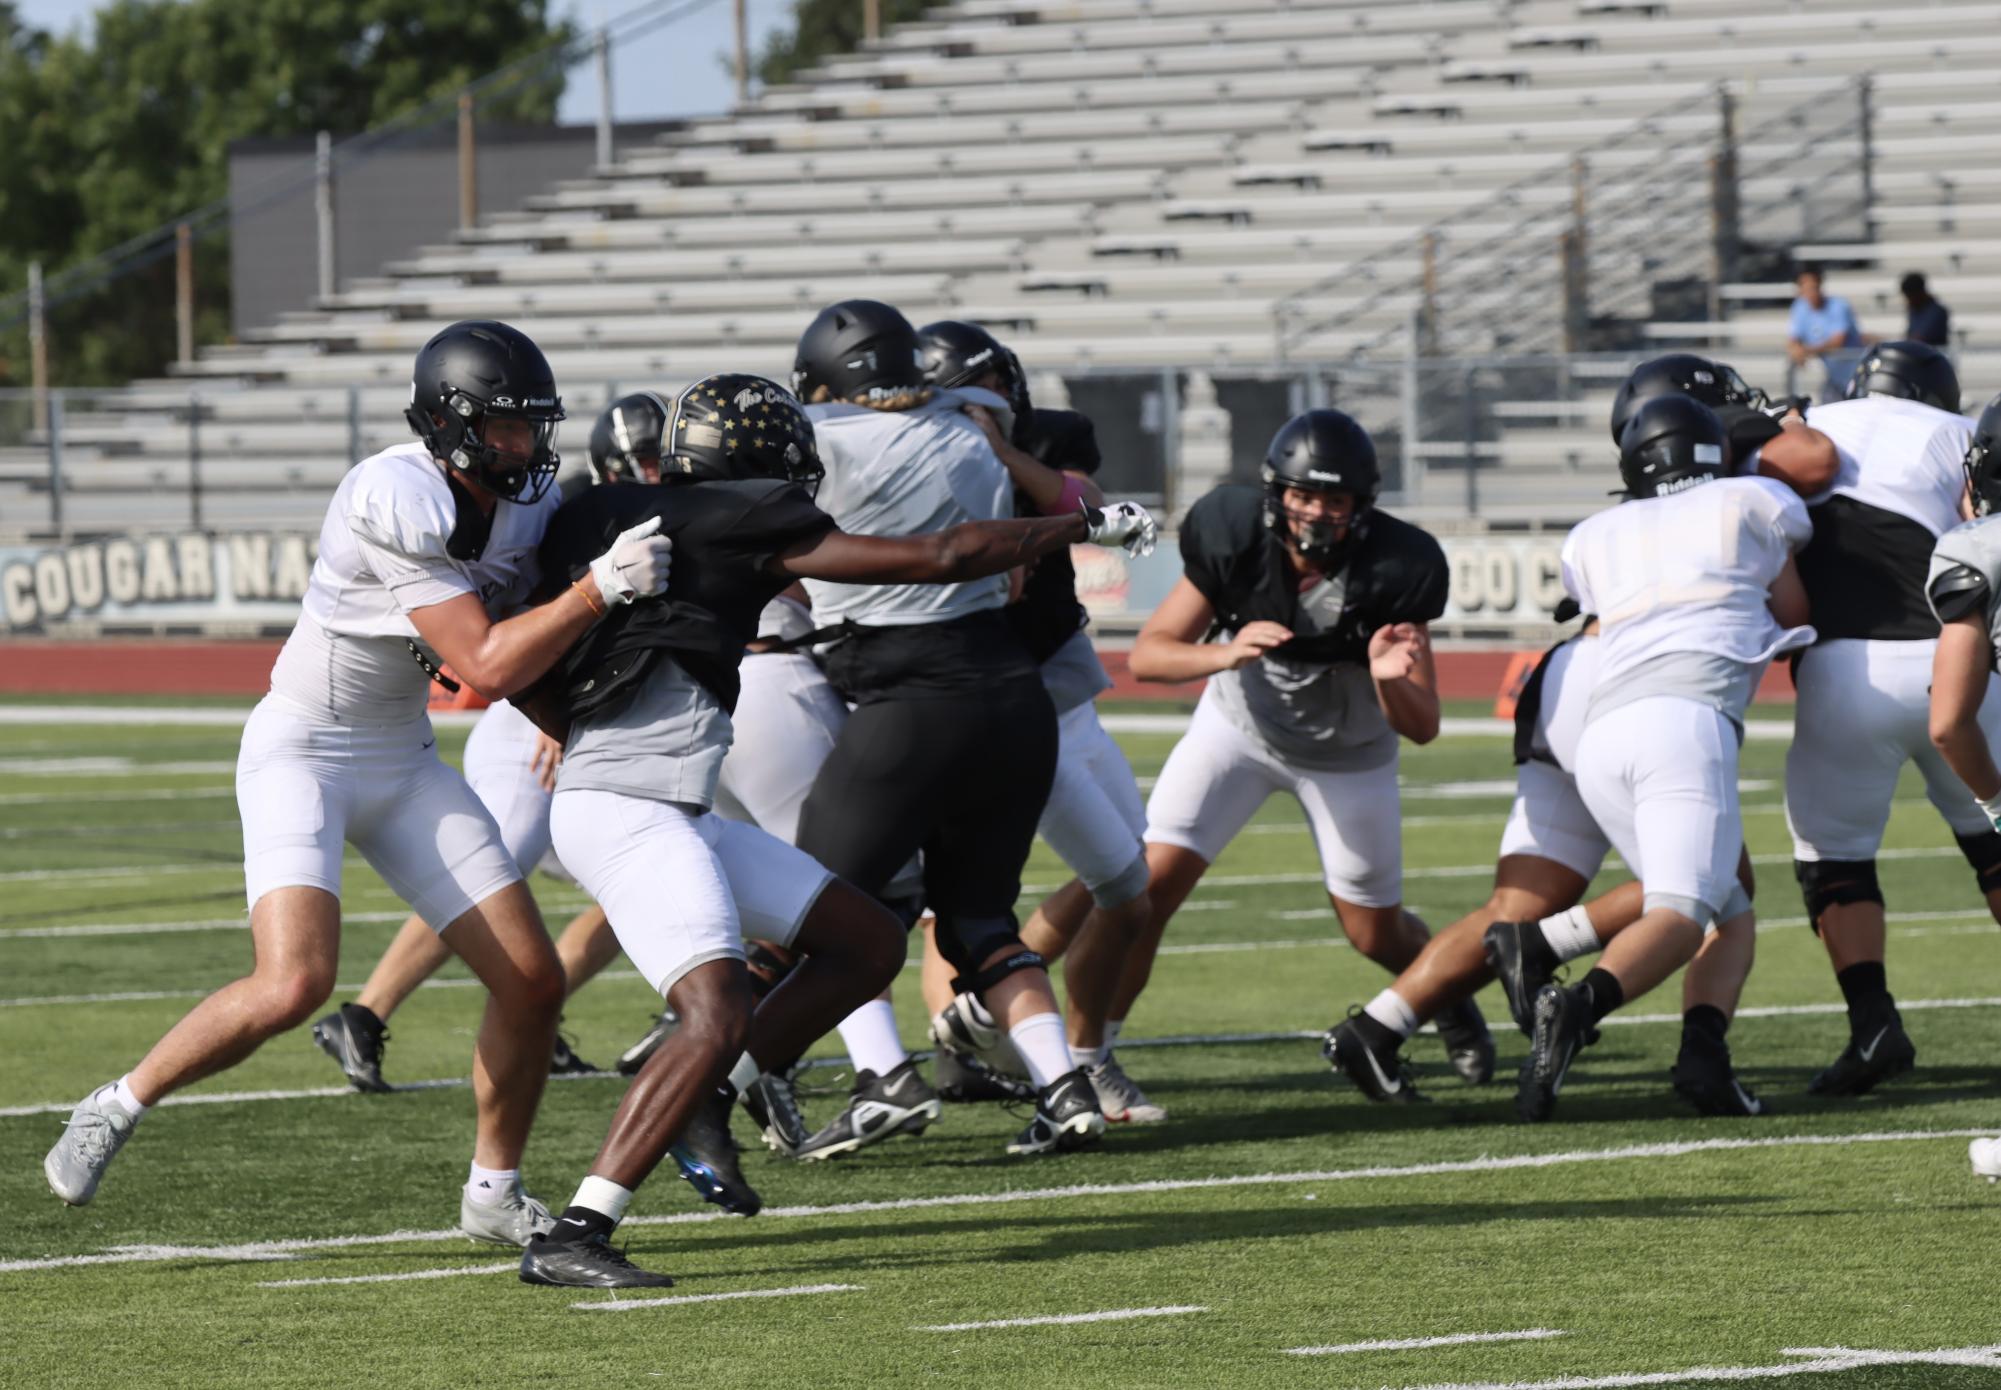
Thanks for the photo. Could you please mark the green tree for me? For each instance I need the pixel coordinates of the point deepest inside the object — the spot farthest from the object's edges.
(823, 29)
(110, 135)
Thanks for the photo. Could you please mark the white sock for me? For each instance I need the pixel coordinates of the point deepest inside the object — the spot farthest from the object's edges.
(1570, 935)
(870, 1035)
(978, 1011)
(604, 1197)
(1040, 1041)
(1089, 1056)
(1112, 1027)
(744, 1072)
(1389, 1009)
(120, 1094)
(486, 1186)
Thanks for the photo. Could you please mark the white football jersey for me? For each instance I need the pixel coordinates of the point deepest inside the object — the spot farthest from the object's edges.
(1899, 456)
(1688, 572)
(383, 553)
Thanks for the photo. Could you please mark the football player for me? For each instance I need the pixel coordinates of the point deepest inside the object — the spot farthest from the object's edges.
(423, 543)
(1964, 588)
(1862, 711)
(1320, 668)
(1693, 579)
(645, 705)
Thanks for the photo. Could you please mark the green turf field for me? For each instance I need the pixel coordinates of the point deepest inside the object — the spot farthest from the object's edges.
(1275, 1210)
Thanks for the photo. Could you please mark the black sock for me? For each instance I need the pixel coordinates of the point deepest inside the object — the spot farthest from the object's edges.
(1704, 1023)
(591, 1221)
(1602, 989)
(1867, 990)
(1536, 950)
(365, 1016)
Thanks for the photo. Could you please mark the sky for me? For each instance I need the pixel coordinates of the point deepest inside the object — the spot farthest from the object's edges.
(673, 71)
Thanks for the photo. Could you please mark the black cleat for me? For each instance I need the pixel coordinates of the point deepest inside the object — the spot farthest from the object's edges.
(634, 1057)
(774, 1106)
(1371, 1062)
(1704, 1078)
(564, 1061)
(584, 1262)
(353, 1037)
(881, 1107)
(1875, 1053)
(1468, 1044)
(965, 1079)
(707, 1158)
(1067, 1117)
(1518, 965)
(1561, 1023)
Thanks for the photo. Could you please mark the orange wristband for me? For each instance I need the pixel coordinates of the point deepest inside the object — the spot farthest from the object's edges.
(595, 603)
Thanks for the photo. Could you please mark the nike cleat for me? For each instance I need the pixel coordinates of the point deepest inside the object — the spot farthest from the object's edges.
(97, 1130)
(1704, 1078)
(1517, 964)
(1120, 1097)
(774, 1106)
(1374, 1066)
(964, 1079)
(514, 1220)
(707, 1158)
(584, 1262)
(634, 1057)
(1468, 1044)
(353, 1037)
(1560, 1028)
(1066, 1117)
(1875, 1053)
(958, 1026)
(564, 1061)
(881, 1107)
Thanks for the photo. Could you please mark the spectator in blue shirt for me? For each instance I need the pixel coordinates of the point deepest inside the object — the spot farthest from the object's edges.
(1927, 320)
(1823, 330)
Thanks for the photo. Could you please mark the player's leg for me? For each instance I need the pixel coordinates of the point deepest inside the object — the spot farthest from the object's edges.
(1703, 1072)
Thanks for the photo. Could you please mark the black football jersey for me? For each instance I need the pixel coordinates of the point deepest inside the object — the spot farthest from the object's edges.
(1047, 614)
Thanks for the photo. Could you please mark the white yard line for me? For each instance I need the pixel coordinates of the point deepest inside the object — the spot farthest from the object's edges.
(453, 1272)
(633, 1304)
(148, 794)
(107, 767)
(1457, 1339)
(1820, 1361)
(1066, 1319)
(282, 1249)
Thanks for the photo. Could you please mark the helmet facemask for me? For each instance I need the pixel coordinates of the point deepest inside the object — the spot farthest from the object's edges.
(460, 440)
(1323, 541)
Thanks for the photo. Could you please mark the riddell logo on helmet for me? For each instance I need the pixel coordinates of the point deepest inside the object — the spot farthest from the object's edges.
(1322, 476)
(1674, 485)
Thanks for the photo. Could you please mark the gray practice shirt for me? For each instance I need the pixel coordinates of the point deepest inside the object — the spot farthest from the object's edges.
(1310, 714)
(1708, 678)
(664, 744)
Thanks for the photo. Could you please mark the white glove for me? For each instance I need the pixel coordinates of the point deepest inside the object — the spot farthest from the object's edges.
(1993, 809)
(636, 565)
(1125, 524)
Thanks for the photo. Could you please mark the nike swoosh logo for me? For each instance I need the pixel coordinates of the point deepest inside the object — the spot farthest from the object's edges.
(1752, 1105)
(1388, 1085)
(570, 1221)
(429, 743)
(1868, 1054)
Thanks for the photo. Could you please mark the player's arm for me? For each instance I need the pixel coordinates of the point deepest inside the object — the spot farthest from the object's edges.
(1801, 457)
(1170, 648)
(1788, 600)
(1960, 666)
(1052, 490)
(1406, 679)
(970, 550)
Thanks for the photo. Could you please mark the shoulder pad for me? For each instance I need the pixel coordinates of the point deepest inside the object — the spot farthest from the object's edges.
(403, 504)
(1228, 521)
(1965, 562)
(1407, 569)
(1956, 591)
(1064, 439)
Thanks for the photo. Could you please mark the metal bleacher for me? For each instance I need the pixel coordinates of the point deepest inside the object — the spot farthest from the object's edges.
(1125, 183)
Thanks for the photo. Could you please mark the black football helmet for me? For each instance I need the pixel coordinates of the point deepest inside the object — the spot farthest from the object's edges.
(1320, 451)
(477, 371)
(955, 353)
(1983, 461)
(627, 436)
(1910, 371)
(735, 426)
(857, 348)
(1672, 443)
(1716, 384)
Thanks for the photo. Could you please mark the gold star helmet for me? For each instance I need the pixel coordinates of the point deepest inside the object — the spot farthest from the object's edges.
(735, 426)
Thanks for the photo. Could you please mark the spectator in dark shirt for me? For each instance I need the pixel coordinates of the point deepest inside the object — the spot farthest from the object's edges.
(1928, 320)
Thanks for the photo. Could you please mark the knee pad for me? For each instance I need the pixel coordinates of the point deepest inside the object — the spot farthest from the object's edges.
(980, 981)
(1829, 883)
(1131, 882)
(966, 941)
(768, 967)
(1983, 852)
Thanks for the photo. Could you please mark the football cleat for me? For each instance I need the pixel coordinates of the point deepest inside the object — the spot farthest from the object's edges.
(97, 1130)
(584, 1262)
(634, 1057)
(564, 1061)
(1468, 1044)
(1066, 1117)
(774, 1106)
(1985, 1155)
(958, 1026)
(707, 1157)
(1517, 965)
(514, 1220)
(1120, 1097)
(353, 1037)
(1875, 1053)
(1704, 1078)
(881, 1107)
(964, 1079)
(1375, 1068)
(1560, 1026)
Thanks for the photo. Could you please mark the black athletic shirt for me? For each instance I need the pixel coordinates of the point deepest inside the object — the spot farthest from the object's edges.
(1395, 573)
(1864, 572)
(724, 534)
(1047, 614)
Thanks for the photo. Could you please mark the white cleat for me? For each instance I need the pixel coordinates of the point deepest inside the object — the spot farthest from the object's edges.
(514, 1220)
(97, 1130)
(1120, 1097)
(958, 1026)
(1986, 1157)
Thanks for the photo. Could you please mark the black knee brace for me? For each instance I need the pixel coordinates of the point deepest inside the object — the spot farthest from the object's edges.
(1829, 883)
(980, 981)
(1983, 852)
(965, 941)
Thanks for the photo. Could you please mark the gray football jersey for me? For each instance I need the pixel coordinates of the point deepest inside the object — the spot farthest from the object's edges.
(1973, 546)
